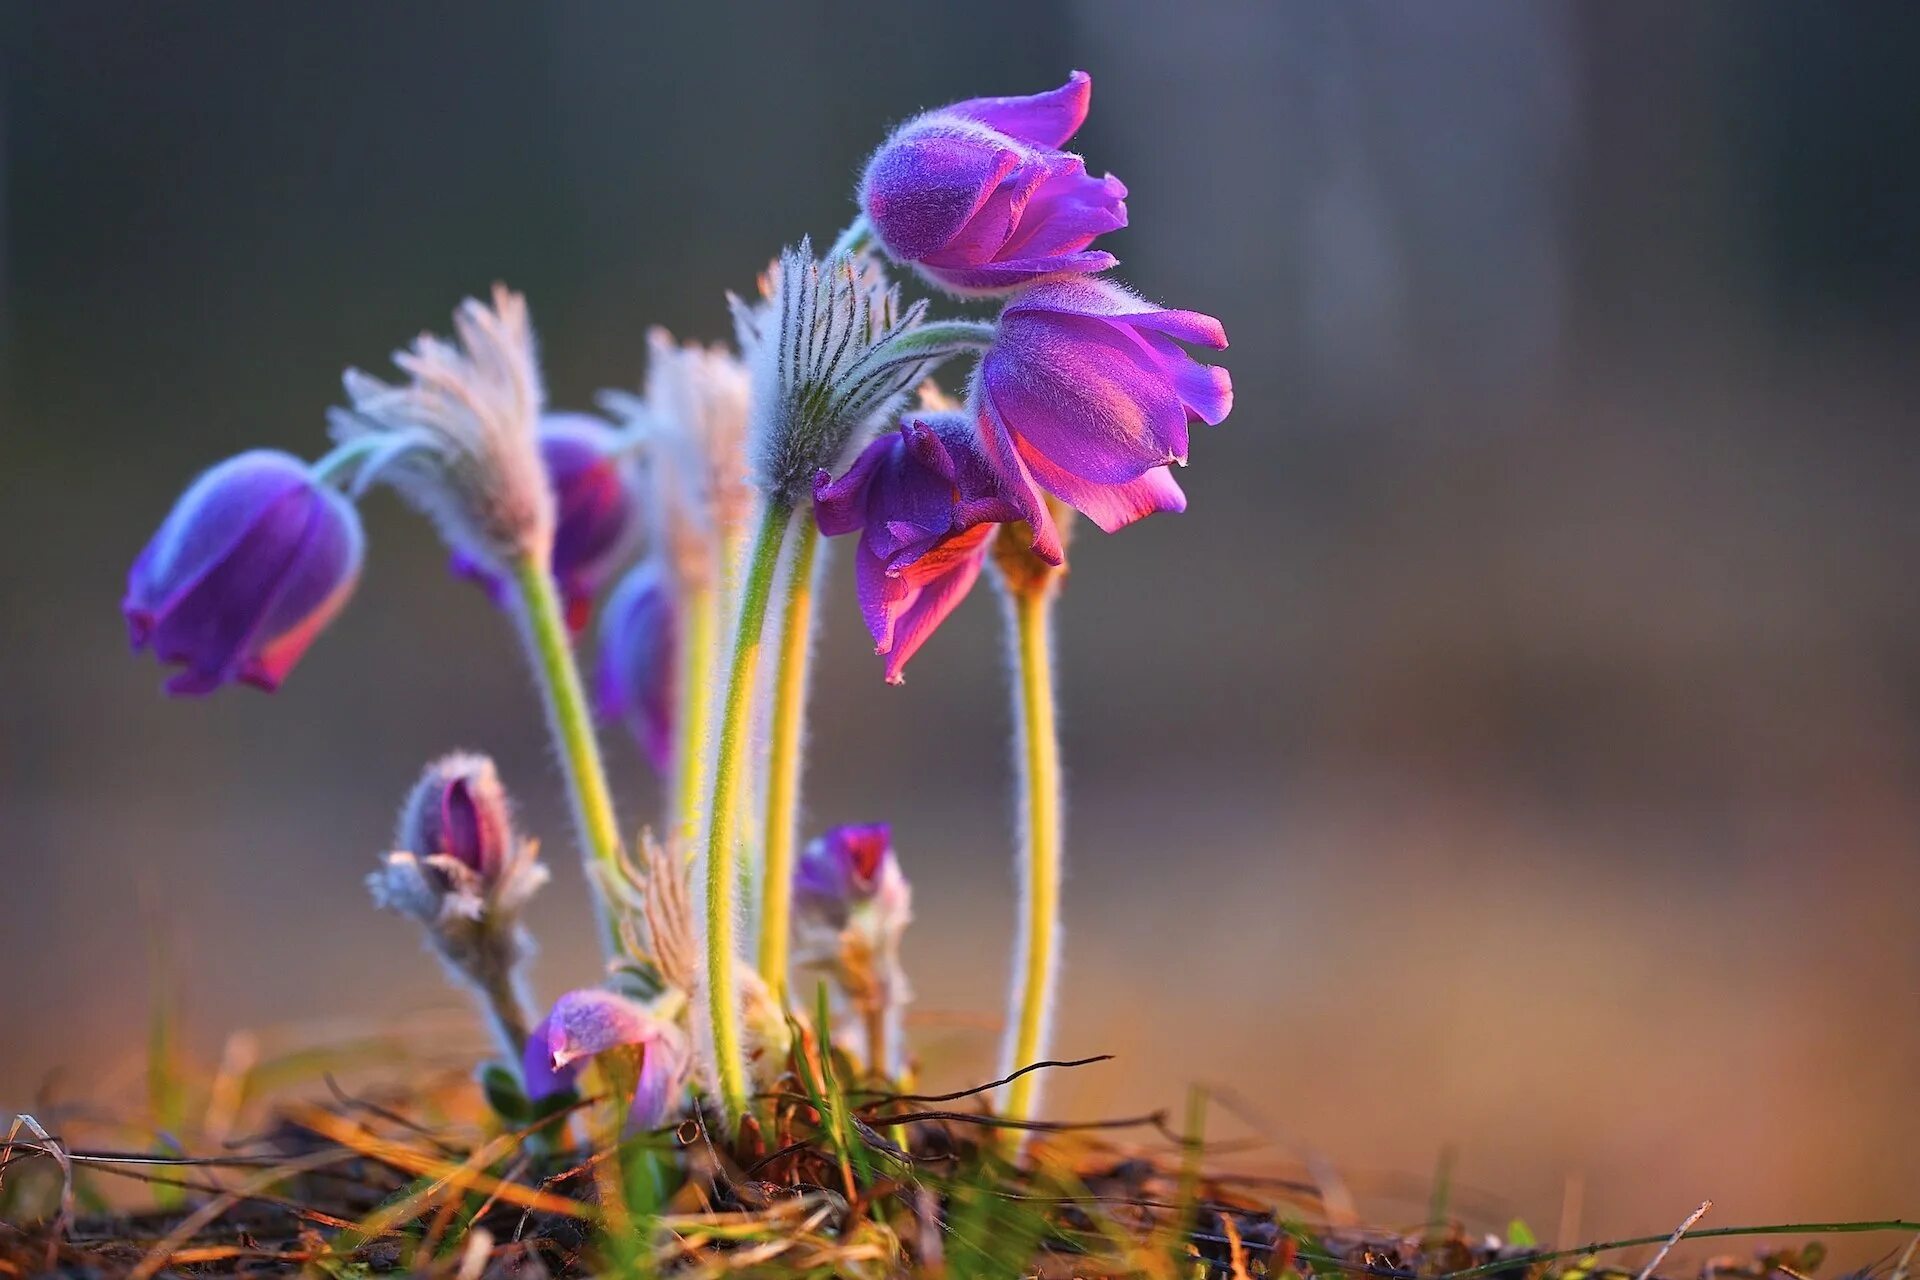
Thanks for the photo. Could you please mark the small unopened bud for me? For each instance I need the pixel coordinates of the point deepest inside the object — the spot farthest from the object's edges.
(852, 906)
(464, 874)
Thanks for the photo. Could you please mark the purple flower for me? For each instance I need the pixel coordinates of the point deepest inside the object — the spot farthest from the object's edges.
(634, 685)
(251, 563)
(1087, 393)
(852, 905)
(925, 500)
(979, 197)
(587, 1023)
(595, 521)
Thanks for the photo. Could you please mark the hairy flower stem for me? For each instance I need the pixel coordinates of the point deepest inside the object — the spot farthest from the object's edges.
(699, 628)
(1037, 960)
(503, 997)
(731, 774)
(792, 663)
(544, 630)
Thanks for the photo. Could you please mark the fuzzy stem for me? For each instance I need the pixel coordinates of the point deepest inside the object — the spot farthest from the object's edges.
(857, 236)
(794, 659)
(496, 978)
(550, 651)
(731, 768)
(1029, 615)
(699, 625)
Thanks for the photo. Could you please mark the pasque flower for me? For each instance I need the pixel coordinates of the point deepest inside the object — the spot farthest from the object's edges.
(252, 562)
(634, 681)
(588, 1023)
(458, 859)
(1087, 394)
(978, 197)
(924, 500)
(463, 873)
(596, 524)
(852, 906)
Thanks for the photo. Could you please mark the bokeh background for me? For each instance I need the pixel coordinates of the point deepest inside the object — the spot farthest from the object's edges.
(1516, 747)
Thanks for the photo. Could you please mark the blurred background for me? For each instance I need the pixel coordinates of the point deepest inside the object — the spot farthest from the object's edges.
(1516, 746)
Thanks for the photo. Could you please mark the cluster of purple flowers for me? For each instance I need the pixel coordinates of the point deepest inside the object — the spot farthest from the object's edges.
(1085, 392)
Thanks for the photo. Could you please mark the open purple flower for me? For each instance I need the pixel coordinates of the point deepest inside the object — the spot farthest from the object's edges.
(595, 523)
(979, 197)
(252, 562)
(634, 681)
(587, 1023)
(1087, 393)
(924, 500)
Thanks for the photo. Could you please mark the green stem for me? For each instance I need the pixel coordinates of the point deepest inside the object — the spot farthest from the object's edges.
(1030, 612)
(699, 625)
(793, 661)
(550, 650)
(730, 775)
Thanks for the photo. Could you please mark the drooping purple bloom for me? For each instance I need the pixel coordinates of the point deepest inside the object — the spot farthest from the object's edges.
(635, 681)
(924, 500)
(979, 197)
(595, 521)
(252, 562)
(1087, 393)
(587, 1023)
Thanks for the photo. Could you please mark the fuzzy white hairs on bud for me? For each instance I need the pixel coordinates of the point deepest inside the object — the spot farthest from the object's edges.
(463, 430)
(824, 347)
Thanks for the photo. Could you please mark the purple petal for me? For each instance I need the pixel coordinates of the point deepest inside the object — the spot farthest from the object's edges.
(924, 185)
(1111, 506)
(635, 682)
(904, 608)
(537, 1072)
(591, 1021)
(663, 1072)
(1041, 119)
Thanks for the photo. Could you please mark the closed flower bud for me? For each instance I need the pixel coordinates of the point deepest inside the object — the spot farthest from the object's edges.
(852, 906)
(459, 440)
(589, 1023)
(595, 503)
(978, 197)
(635, 680)
(924, 500)
(252, 562)
(460, 862)
(1087, 394)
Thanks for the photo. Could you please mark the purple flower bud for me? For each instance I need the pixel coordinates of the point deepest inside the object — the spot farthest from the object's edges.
(252, 562)
(634, 684)
(590, 1022)
(458, 861)
(845, 868)
(924, 500)
(1087, 393)
(594, 508)
(459, 809)
(980, 199)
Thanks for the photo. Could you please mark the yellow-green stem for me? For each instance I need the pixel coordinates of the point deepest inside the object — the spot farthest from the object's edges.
(550, 650)
(1030, 610)
(699, 628)
(730, 775)
(783, 765)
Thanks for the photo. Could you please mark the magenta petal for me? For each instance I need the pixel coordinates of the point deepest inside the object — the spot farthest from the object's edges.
(1111, 506)
(538, 1075)
(591, 1021)
(1041, 119)
(933, 586)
